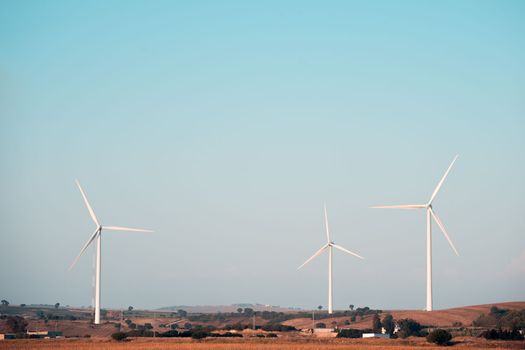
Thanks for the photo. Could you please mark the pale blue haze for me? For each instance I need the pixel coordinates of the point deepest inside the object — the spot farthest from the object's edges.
(225, 125)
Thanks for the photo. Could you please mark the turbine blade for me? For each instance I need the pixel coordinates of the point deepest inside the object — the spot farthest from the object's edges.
(442, 227)
(442, 180)
(313, 256)
(91, 212)
(326, 224)
(84, 248)
(119, 228)
(402, 206)
(346, 251)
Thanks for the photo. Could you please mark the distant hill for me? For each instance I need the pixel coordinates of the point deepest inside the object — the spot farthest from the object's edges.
(227, 308)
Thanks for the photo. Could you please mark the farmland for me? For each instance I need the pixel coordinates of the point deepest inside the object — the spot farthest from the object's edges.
(254, 344)
(149, 329)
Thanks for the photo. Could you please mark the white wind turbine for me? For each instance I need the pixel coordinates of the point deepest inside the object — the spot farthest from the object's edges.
(430, 213)
(98, 235)
(329, 245)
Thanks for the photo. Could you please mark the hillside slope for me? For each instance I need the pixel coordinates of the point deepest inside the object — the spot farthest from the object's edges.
(441, 318)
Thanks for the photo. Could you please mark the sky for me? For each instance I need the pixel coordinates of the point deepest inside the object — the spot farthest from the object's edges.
(225, 125)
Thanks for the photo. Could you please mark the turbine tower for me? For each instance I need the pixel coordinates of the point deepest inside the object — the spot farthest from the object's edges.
(98, 235)
(430, 214)
(329, 245)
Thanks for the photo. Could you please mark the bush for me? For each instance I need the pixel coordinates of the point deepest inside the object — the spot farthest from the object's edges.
(320, 325)
(119, 336)
(271, 335)
(199, 334)
(439, 336)
(498, 334)
(169, 334)
(226, 335)
(277, 327)
(350, 333)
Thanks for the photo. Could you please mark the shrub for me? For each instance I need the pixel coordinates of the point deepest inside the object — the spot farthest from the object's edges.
(439, 336)
(277, 327)
(271, 335)
(320, 325)
(227, 335)
(498, 334)
(119, 336)
(169, 334)
(199, 334)
(350, 333)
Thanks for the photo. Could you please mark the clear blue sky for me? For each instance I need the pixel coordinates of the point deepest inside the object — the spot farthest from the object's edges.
(225, 125)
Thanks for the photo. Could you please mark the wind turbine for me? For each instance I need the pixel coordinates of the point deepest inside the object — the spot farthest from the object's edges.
(329, 245)
(98, 235)
(430, 213)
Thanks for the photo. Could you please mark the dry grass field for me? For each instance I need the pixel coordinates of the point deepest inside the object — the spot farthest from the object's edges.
(466, 343)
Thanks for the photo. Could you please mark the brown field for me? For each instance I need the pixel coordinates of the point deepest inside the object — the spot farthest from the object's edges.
(466, 343)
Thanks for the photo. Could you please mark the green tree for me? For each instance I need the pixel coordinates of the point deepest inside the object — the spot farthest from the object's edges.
(130, 308)
(439, 336)
(57, 305)
(320, 307)
(351, 307)
(182, 313)
(239, 310)
(408, 327)
(389, 324)
(320, 325)
(376, 324)
(22, 305)
(17, 324)
(5, 303)
(248, 311)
